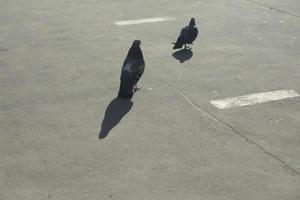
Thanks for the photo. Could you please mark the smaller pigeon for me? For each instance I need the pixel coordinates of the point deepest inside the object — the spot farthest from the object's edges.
(132, 70)
(187, 35)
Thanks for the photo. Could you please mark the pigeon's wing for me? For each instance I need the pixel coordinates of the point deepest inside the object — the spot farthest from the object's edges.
(183, 30)
(193, 33)
(137, 70)
(179, 42)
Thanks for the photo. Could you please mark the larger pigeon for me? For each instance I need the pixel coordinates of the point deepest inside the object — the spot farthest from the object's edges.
(187, 35)
(132, 70)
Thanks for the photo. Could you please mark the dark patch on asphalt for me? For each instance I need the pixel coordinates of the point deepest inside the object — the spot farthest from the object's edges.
(2, 49)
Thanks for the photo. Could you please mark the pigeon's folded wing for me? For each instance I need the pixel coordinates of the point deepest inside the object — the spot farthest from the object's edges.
(137, 70)
(194, 34)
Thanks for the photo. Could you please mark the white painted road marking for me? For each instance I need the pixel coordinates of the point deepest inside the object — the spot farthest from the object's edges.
(252, 99)
(145, 20)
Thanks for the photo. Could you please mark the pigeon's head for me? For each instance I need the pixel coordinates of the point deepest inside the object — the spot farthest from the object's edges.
(192, 22)
(136, 43)
(135, 51)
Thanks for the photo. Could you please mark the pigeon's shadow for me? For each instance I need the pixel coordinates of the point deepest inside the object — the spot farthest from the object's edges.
(115, 111)
(183, 55)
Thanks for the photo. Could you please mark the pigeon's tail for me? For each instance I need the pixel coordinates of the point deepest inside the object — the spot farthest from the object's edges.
(178, 43)
(177, 46)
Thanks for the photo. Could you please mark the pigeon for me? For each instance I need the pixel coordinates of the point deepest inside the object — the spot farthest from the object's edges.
(187, 35)
(132, 70)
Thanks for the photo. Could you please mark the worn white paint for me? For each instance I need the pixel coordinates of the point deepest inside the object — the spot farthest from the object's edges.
(252, 99)
(144, 20)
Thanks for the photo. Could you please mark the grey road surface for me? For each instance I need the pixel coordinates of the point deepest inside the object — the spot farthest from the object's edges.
(60, 63)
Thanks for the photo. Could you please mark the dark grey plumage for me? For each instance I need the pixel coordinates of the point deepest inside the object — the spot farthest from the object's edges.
(132, 70)
(187, 35)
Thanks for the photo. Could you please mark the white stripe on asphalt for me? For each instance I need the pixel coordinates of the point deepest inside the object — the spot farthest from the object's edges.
(145, 20)
(252, 99)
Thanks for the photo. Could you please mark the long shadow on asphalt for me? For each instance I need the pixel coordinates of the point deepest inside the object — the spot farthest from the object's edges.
(183, 55)
(115, 111)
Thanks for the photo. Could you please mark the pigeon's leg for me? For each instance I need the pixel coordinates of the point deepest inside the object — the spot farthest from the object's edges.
(185, 46)
(135, 88)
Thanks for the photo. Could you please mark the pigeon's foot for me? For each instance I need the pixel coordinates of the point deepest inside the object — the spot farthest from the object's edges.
(135, 89)
(188, 46)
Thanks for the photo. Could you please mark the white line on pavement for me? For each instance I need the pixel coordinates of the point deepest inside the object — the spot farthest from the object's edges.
(145, 20)
(252, 99)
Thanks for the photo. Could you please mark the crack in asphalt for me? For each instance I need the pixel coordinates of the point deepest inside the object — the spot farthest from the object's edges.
(231, 128)
(272, 8)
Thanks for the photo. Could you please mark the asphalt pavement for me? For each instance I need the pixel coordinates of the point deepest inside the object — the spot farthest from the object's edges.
(65, 136)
